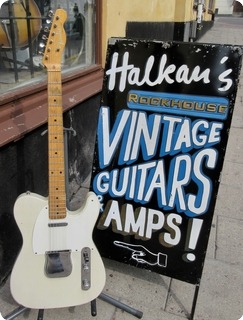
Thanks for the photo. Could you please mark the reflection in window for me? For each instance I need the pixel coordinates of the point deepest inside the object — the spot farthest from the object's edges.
(211, 4)
(22, 26)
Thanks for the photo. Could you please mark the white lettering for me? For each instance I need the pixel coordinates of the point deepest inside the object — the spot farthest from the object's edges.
(132, 75)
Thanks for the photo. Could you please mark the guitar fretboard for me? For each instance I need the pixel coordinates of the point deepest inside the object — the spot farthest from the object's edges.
(57, 193)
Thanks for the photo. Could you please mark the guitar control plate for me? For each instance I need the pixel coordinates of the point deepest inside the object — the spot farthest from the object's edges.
(85, 268)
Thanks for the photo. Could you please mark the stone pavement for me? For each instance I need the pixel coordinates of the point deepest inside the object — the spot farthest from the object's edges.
(161, 298)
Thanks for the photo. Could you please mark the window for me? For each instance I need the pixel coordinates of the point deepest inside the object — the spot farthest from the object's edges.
(23, 80)
(211, 5)
(22, 25)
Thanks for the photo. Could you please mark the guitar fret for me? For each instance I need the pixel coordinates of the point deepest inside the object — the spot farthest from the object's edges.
(56, 185)
(54, 204)
(59, 197)
(56, 174)
(59, 205)
(54, 160)
(54, 217)
(54, 153)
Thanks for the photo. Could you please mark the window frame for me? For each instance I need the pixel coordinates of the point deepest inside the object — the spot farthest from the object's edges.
(211, 6)
(25, 108)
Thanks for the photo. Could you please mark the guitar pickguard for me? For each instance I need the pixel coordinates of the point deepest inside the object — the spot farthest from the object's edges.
(57, 235)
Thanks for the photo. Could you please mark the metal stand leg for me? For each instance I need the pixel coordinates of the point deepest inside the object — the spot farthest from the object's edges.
(194, 303)
(15, 313)
(40, 314)
(93, 308)
(104, 297)
(136, 313)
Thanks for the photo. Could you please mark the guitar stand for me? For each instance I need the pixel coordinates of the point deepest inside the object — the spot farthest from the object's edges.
(104, 297)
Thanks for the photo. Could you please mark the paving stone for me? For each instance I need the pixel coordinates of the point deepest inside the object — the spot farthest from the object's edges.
(220, 294)
(230, 201)
(232, 174)
(234, 152)
(229, 240)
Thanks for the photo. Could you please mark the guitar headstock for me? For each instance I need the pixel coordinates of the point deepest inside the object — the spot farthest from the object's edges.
(56, 41)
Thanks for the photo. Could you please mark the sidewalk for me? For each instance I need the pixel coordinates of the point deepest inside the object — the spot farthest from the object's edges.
(161, 298)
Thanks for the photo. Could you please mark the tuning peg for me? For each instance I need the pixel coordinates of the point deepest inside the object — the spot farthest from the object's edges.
(50, 13)
(44, 37)
(41, 46)
(46, 29)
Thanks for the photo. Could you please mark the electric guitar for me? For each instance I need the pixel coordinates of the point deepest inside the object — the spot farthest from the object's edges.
(58, 264)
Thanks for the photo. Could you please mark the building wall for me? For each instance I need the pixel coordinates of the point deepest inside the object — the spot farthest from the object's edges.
(225, 7)
(115, 15)
(160, 19)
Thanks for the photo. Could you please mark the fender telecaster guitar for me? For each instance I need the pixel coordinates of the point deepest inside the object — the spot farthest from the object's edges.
(58, 264)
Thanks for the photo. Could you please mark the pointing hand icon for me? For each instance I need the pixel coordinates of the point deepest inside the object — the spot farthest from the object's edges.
(143, 255)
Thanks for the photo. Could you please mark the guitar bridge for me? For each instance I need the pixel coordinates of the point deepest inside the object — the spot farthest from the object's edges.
(85, 268)
(58, 264)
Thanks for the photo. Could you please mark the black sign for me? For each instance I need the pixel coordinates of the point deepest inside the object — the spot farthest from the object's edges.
(162, 131)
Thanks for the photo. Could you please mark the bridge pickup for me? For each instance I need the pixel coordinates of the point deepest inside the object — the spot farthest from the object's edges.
(58, 264)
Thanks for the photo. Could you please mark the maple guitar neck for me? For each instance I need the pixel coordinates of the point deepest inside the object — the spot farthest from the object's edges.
(56, 169)
(57, 193)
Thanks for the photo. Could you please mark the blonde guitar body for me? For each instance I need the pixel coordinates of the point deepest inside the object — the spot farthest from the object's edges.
(35, 283)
